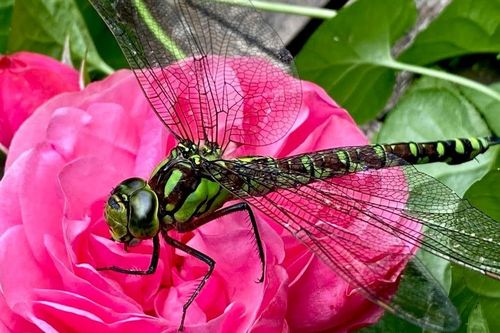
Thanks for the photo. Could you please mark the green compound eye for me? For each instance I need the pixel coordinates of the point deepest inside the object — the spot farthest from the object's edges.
(130, 185)
(131, 211)
(115, 214)
(143, 223)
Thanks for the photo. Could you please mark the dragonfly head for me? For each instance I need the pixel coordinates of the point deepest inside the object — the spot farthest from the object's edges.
(132, 212)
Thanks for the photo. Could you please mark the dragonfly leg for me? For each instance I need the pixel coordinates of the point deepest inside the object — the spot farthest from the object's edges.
(152, 266)
(197, 254)
(225, 211)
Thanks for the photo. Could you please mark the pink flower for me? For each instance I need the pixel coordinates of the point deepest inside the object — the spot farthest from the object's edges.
(61, 167)
(26, 81)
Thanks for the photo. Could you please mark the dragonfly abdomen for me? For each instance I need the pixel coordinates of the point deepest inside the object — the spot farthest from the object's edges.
(454, 151)
(337, 162)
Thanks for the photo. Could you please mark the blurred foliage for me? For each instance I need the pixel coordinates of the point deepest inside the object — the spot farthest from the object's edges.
(103, 38)
(5, 20)
(350, 56)
(43, 25)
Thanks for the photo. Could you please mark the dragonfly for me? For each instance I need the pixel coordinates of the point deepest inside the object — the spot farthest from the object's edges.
(180, 52)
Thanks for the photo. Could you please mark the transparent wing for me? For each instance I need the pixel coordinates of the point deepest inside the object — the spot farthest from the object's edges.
(366, 225)
(212, 71)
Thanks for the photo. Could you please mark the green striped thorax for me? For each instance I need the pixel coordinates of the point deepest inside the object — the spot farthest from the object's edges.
(176, 192)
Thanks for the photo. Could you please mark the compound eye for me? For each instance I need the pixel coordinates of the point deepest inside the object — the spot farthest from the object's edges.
(144, 222)
(113, 203)
(129, 186)
(116, 216)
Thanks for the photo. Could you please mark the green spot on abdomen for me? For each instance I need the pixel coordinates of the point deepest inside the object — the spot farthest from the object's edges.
(380, 152)
(305, 162)
(440, 149)
(459, 146)
(475, 143)
(343, 157)
(413, 149)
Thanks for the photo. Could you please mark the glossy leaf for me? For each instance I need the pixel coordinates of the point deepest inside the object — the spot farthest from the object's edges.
(488, 107)
(491, 309)
(484, 194)
(477, 321)
(347, 54)
(464, 27)
(441, 112)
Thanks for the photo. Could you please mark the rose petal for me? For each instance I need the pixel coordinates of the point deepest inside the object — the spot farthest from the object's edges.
(26, 81)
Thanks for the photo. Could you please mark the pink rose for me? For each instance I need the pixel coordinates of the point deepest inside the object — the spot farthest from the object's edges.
(61, 167)
(26, 81)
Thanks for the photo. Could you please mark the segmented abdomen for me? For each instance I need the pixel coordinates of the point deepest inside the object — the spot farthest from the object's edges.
(306, 168)
(450, 151)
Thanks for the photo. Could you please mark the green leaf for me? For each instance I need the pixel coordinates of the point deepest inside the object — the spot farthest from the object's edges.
(438, 267)
(484, 194)
(464, 27)
(482, 285)
(435, 109)
(490, 309)
(489, 108)
(103, 39)
(5, 19)
(42, 26)
(477, 322)
(391, 324)
(463, 299)
(346, 54)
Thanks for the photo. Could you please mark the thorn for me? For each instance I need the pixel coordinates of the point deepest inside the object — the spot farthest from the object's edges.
(66, 54)
(83, 68)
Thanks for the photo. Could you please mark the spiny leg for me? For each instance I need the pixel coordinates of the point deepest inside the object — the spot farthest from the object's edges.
(152, 266)
(189, 226)
(197, 254)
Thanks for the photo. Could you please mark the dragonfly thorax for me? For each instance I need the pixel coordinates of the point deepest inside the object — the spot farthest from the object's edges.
(184, 190)
(177, 192)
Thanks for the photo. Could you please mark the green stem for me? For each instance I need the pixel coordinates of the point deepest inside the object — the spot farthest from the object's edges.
(319, 13)
(106, 69)
(444, 76)
(157, 30)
